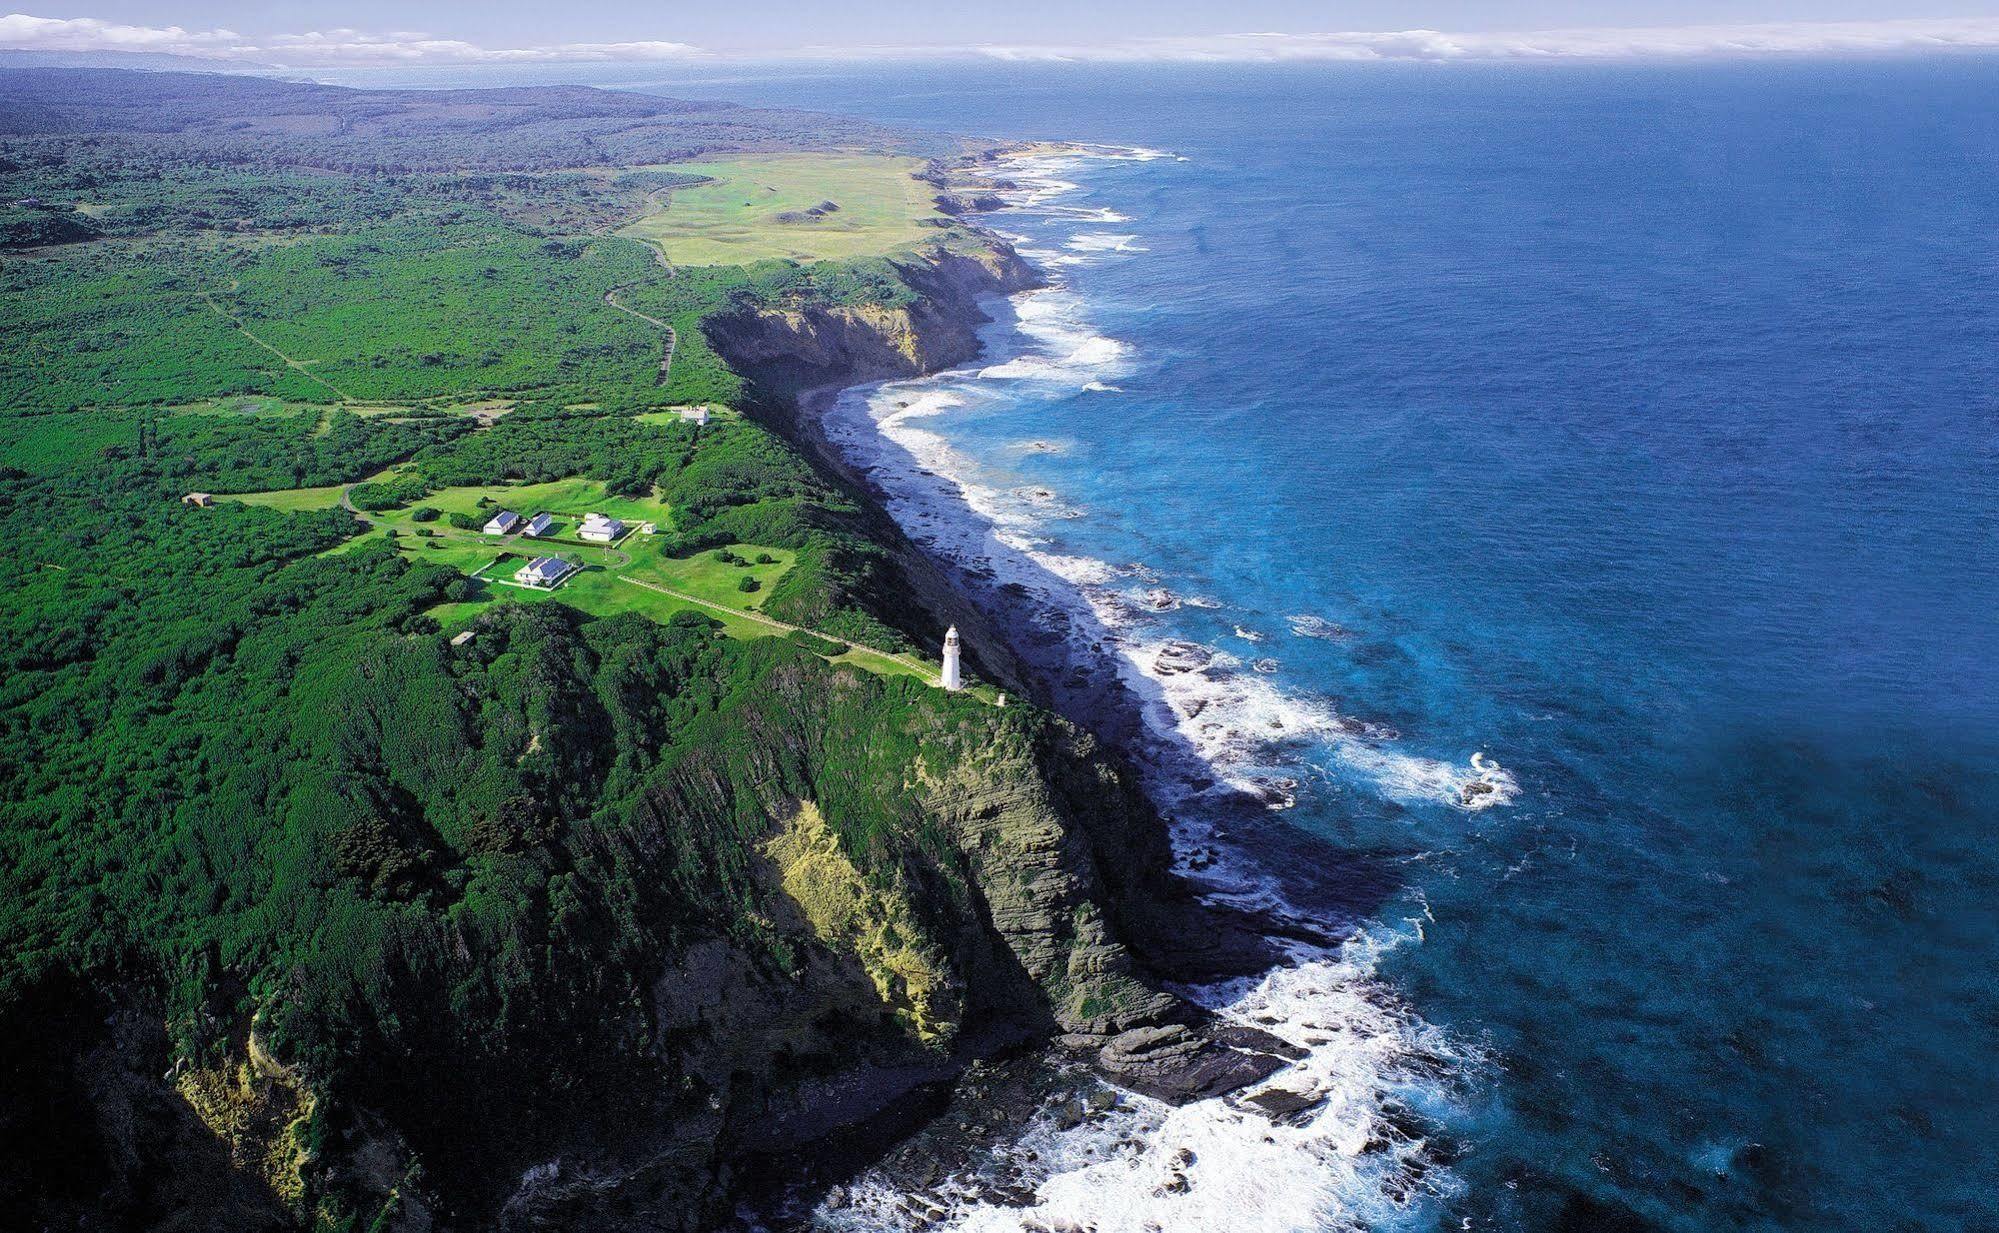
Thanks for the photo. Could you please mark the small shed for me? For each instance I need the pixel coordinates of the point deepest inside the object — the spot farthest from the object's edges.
(538, 525)
(200, 500)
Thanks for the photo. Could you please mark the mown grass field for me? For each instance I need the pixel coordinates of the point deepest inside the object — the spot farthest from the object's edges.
(737, 219)
(600, 585)
(293, 498)
(567, 499)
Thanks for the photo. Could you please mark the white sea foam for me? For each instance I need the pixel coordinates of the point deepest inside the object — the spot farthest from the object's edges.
(1308, 626)
(1329, 1151)
(1343, 1160)
(1104, 242)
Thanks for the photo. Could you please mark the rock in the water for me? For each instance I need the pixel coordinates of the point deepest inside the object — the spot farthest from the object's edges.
(1178, 1063)
(1177, 657)
(1284, 1105)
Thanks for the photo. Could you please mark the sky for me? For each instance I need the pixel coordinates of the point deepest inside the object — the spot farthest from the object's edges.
(306, 33)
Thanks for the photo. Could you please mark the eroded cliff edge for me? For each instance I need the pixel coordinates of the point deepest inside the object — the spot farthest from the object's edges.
(792, 347)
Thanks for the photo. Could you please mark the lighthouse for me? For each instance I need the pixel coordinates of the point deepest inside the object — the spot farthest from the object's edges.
(953, 676)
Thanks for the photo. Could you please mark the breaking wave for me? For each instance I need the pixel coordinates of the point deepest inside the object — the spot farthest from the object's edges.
(1336, 1140)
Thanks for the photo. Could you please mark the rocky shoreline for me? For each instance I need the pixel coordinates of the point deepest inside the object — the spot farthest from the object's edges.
(799, 360)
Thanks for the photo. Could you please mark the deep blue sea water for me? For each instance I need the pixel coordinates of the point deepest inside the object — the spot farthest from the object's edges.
(1636, 427)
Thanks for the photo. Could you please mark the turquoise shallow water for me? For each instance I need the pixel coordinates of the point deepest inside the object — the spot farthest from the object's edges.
(1634, 427)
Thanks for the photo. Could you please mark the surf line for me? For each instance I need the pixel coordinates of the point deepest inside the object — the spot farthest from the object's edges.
(1322, 1143)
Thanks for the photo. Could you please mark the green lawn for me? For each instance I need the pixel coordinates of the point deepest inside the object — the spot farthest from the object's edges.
(595, 590)
(752, 212)
(567, 499)
(251, 406)
(293, 498)
(596, 586)
(705, 577)
(716, 413)
(466, 555)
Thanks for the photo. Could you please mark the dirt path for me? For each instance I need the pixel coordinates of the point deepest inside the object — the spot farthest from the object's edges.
(297, 366)
(924, 670)
(672, 335)
(672, 338)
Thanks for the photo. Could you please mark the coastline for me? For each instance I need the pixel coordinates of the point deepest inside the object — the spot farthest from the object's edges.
(1328, 1119)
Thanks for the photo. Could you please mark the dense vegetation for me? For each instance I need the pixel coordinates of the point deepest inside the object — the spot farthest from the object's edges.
(342, 880)
(251, 774)
(259, 121)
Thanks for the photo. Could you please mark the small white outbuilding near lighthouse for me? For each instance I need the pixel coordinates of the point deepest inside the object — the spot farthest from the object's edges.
(953, 676)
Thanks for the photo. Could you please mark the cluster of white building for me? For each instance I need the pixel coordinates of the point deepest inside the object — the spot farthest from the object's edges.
(506, 522)
(597, 528)
(546, 572)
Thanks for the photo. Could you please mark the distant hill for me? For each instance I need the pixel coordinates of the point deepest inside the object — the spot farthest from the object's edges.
(265, 120)
(11, 57)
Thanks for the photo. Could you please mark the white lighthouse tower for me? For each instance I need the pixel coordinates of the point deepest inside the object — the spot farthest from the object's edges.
(953, 676)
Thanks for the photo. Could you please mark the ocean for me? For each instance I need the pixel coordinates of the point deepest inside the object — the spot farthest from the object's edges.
(1564, 497)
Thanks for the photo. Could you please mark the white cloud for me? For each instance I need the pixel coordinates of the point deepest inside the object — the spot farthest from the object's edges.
(1682, 42)
(315, 47)
(349, 47)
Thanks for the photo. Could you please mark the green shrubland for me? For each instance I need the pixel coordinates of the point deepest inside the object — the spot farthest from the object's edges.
(355, 879)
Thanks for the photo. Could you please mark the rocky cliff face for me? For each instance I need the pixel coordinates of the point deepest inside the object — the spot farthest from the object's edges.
(792, 348)
(983, 918)
(1073, 914)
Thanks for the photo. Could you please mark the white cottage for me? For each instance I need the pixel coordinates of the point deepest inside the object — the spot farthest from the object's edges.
(543, 572)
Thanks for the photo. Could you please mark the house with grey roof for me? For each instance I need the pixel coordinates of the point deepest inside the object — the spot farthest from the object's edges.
(543, 572)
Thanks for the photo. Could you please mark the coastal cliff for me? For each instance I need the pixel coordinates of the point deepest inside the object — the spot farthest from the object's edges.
(759, 916)
(792, 347)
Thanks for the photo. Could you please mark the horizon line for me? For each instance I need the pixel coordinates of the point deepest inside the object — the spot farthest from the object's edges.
(349, 48)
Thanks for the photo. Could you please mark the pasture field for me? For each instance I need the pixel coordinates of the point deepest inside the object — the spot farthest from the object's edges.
(325, 497)
(705, 576)
(757, 208)
(567, 499)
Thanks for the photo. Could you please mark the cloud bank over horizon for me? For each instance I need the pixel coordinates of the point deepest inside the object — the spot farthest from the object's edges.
(314, 48)
(1889, 37)
(346, 47)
